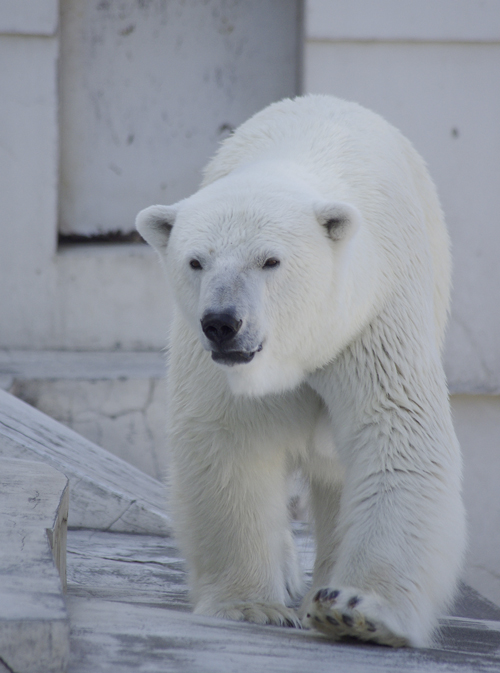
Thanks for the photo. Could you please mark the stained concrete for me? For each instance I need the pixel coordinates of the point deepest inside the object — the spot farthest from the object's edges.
(116, 400)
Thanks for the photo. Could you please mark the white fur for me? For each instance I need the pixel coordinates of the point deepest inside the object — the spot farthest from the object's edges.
(346, 381)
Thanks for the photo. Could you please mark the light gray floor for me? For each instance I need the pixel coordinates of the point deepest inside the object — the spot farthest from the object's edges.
(129, 611)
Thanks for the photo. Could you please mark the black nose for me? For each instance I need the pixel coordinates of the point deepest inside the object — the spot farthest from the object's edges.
(220, 327)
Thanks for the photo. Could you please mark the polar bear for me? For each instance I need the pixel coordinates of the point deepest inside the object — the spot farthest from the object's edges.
(311, 277)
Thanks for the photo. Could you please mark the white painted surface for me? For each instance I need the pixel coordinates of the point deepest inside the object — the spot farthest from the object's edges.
(403, 20)
(29, 17)
(28, 184)
(149, 89)
(477, 421)
(34, 629)
(158, 640)
(442, 95)
(108, 297)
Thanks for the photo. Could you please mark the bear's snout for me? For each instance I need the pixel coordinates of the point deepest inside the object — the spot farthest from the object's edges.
(220, 327)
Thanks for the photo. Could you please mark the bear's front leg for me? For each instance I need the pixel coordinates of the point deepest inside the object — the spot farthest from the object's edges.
(400, 551)
(400, 529)
(229, 506)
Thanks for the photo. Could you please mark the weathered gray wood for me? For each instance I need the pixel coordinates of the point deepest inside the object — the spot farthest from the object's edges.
(129, 611)
(106, 492)
(34, 629)
(155, 639)
(127, 568)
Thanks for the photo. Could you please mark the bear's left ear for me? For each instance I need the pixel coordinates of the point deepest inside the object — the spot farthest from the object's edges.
(341, 220)
(155, 224)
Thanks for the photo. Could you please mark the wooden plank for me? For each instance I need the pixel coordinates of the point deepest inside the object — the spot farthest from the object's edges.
(106, 493)
(127, 569)
(154, 639)
(34, 629)
(129, 611)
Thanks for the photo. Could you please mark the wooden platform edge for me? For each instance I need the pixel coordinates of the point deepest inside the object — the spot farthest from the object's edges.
(34, 624)
(106, 493)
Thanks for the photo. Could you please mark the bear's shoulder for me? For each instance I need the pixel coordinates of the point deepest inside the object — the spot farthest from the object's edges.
(307, 128)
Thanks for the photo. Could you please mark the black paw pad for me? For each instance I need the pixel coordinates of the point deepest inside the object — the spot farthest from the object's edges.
(354, 601)
(332, 621)
(333, 595)
(348, 621)
(321, 595)
(370, 626)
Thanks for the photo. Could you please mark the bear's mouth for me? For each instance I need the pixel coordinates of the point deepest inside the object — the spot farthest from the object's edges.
(230, 358)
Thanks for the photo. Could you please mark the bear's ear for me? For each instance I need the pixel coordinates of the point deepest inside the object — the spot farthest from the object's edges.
(341, 220)
(155, 224)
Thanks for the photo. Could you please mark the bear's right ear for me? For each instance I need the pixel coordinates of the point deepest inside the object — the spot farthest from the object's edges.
(341, 220)
(155, 224)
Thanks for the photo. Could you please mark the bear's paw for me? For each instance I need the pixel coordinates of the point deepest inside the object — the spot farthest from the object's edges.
(258, 613)
(346, 612)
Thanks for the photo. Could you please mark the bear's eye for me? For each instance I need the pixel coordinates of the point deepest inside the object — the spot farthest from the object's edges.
(271, 263)
(195, 264)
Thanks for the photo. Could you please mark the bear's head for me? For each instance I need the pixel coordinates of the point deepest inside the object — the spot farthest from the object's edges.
(259, 264)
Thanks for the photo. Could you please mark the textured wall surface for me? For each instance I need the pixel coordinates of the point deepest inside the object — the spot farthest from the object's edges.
(149, 89)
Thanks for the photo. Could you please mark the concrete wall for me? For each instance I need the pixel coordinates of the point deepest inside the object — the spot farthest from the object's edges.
(147, 90)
